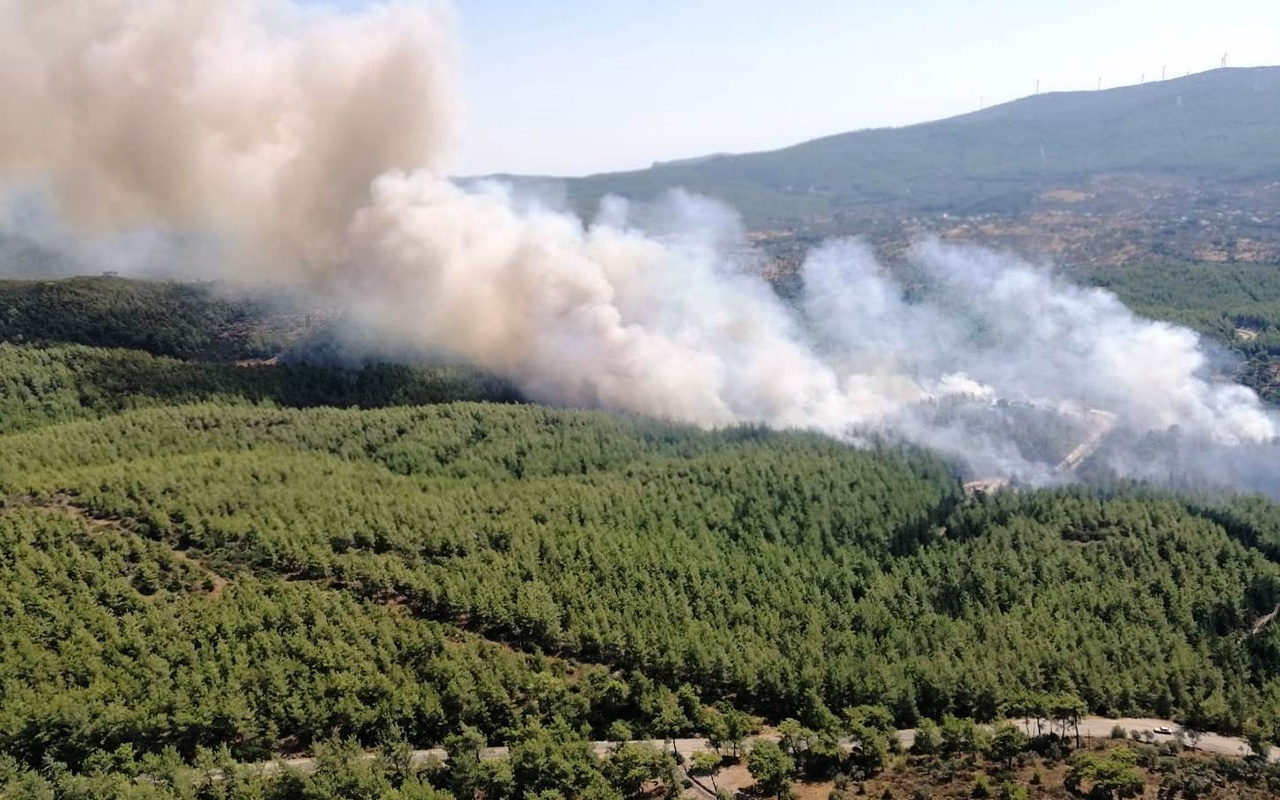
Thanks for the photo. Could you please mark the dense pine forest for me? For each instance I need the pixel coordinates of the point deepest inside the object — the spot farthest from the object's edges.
(204, 565)
(196, 321)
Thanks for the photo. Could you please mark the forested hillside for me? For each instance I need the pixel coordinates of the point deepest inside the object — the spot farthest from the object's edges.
(40, 385)
(203, 564)
(169, 319)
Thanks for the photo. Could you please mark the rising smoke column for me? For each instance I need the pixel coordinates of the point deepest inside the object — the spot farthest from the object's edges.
(257, 118)
(315, 145)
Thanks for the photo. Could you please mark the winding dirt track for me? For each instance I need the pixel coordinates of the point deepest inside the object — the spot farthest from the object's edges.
(1095, 727)
(1100, 728)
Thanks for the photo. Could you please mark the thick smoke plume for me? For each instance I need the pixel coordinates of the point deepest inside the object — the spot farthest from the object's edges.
(313, 146)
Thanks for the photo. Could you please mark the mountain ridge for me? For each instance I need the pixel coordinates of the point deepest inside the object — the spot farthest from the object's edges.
(1216, 127)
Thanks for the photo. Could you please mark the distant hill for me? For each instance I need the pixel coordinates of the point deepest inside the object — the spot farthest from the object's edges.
(1220, 126)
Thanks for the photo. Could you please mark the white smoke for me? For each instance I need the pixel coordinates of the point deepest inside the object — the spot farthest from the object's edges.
(257, 119)
(315, 145)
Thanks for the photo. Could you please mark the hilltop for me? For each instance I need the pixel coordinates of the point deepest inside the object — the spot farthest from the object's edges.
(1217, 127)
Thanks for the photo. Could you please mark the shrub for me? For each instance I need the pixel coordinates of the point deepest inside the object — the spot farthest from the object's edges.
(928, 739)
(1012, 791)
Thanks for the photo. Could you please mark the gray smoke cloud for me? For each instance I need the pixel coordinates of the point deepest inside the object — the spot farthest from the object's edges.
(312, 146)
(35, 242)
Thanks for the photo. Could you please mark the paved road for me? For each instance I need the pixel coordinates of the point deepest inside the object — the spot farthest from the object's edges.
(1096, 727)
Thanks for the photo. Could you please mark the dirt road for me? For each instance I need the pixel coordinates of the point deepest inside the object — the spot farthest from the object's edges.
(1094, 727)
(1099, 727)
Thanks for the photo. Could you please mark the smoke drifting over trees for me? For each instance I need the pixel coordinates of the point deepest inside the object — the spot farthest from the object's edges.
(313, 146)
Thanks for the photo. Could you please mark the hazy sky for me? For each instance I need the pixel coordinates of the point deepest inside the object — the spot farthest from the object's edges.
(576, 86)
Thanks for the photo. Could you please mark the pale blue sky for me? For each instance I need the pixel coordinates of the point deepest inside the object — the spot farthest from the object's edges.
(575, 86)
